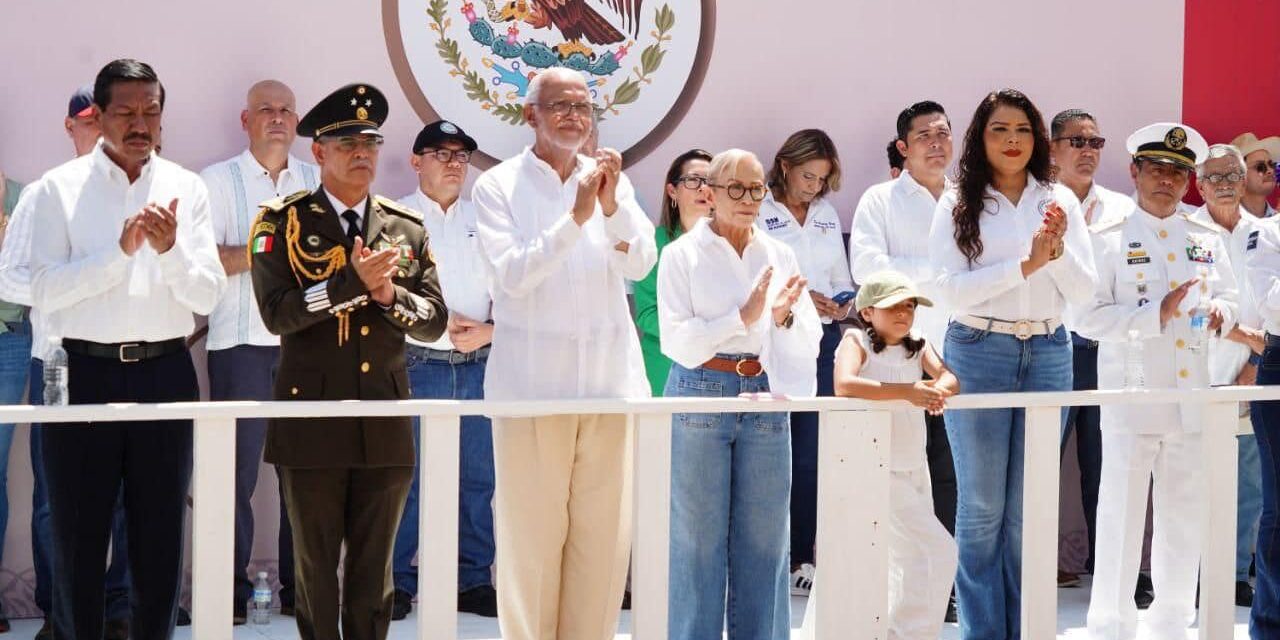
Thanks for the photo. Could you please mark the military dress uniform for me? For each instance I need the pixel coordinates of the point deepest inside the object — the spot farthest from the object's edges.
(1140, 259)
(344, 478)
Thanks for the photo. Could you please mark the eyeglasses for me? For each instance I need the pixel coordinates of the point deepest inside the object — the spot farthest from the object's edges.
(692, 183)
(562, 109)
(738, 191)
(1263, 167)
(1219, 178)
(347, 144)
(448, 155)
(1079, 142)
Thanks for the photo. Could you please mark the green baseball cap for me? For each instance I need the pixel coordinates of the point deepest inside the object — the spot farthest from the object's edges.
(887, 288)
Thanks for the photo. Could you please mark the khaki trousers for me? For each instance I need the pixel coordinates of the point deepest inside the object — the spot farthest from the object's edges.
(562, 519)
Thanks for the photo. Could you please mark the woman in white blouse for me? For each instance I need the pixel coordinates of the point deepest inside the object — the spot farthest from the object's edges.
(796, 211)
(1012, 251)
(735, 318)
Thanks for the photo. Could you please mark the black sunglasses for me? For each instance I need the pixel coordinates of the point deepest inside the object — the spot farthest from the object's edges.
(1079, 142)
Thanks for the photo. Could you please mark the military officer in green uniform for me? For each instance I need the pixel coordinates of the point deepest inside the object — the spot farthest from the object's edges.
(342, 276)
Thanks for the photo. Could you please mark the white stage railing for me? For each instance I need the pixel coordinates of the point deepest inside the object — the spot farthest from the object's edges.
(853, 503)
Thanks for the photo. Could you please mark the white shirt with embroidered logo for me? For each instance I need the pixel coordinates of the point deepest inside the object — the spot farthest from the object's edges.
(460, 264)
(890, 232)
(1262, 269)
(82, 278)
(702, 285)
(817, 244)
(237, 188)
(562, 326)
(993, 286)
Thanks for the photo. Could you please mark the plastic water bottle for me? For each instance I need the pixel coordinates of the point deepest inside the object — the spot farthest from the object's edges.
(260, 613)
(1133, 356)
(1199, 326)
(55, 374)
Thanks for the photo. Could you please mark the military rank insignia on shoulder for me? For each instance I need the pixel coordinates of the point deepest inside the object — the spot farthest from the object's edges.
(1110, 225)
(1202, 224)
(278, 204)
(1253, 240)
(397, 208)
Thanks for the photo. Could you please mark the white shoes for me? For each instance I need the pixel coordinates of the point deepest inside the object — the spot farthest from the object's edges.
(802, 580)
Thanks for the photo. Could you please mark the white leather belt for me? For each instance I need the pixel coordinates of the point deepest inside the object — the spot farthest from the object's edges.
(1020, 329)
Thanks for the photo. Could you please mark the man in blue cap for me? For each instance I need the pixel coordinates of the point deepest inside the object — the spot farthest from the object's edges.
(452, 367)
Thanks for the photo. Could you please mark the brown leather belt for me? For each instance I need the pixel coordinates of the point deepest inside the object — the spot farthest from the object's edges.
(746, 367)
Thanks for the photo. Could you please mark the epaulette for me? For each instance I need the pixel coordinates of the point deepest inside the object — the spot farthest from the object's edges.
(278, 204)
(395, 207)
(1202, 224)
(1103, 227)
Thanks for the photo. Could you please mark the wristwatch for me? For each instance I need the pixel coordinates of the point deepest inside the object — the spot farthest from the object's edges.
(787, 321)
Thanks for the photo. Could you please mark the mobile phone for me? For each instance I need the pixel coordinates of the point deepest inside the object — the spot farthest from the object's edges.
(843, 297)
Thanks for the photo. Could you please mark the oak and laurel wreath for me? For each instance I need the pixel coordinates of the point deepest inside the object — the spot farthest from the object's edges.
(513, 113)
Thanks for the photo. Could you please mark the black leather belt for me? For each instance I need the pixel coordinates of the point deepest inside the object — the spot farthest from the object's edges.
(124, 351)
(452, 357)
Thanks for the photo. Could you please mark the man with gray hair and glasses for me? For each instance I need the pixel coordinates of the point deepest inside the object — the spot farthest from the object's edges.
(1234, 357)
(561, 233)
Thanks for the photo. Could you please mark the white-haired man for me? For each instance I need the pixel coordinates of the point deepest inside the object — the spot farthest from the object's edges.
(561, 237)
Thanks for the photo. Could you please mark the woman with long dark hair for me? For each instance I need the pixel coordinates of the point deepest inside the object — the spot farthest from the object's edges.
(806, 169)
(1012, 252)
(684, 202)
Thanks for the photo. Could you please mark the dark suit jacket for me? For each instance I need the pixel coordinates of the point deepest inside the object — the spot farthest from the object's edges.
(336, 343)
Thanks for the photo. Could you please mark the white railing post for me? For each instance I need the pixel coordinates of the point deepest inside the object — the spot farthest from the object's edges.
(1218, 526)
(213, 528)
(853, 527)
(438, 466)
(1042, 438)
(651, 551)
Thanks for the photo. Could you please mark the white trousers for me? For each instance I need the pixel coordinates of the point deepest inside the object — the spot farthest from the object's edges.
(922, 563)
(1170, 463)
(922, 559)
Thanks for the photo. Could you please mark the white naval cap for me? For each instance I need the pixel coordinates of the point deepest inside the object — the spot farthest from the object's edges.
(1168, 142)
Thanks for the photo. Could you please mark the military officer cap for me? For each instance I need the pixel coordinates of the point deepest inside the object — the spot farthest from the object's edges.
(1170, 143)
(440, 131)
(352, 110)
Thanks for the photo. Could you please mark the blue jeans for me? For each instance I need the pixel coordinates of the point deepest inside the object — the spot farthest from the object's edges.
(15, 354)
(730, 494)
(1248, 500)
(804, 455)
(116, 583)
(1264, 619)
(1087, 423)
(987, 445)
(440, 380)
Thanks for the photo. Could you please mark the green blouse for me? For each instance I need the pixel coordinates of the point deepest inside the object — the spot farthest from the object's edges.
(656, 365)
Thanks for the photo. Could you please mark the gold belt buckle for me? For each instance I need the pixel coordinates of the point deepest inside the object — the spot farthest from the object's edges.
(756, 368)
(1022, 329)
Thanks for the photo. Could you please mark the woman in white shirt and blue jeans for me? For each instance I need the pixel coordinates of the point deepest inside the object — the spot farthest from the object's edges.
(1012, 251)
(735, 318)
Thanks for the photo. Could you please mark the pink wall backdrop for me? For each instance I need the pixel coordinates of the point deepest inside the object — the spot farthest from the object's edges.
(845, 66)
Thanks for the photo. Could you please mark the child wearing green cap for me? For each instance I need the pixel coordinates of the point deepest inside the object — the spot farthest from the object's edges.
(884, 360)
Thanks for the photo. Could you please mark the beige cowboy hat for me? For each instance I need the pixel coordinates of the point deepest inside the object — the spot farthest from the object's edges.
(1247, 143)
